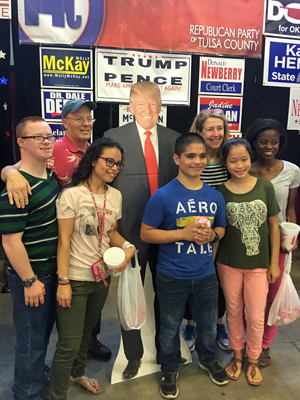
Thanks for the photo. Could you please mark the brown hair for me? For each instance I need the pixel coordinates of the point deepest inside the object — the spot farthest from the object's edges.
(199, 122)
(22, 124)
(145, 87)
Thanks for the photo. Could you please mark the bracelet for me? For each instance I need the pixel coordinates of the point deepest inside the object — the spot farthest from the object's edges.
(64, 283)
(126, 245)
(64, 279)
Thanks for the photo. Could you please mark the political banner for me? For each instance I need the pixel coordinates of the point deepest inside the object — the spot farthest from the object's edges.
(5, 9)
(282, 62)
(125, 115)
(231, 107)
(66, 68)
(118, 70)
(294, 109)
(221, 76)
(57, 130)
(54, 100)
(282, 18)
(197, 26)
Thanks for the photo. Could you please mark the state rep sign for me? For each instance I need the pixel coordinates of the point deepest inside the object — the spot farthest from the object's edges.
(117, 71)
(282, 62)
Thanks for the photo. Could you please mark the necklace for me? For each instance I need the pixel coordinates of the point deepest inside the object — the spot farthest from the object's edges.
(100, 218)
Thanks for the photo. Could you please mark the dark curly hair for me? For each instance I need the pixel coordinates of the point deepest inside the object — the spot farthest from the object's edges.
(265, 124)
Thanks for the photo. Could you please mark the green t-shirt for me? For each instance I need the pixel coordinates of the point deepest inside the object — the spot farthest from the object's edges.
(37, 220)
(246, 241)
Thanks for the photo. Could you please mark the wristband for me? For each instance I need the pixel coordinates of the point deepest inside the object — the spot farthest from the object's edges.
(64, 279)
(126, 245)
(64, 283)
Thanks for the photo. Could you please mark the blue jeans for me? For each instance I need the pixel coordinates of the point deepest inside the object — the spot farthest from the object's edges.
(33, 326)
(202, 296)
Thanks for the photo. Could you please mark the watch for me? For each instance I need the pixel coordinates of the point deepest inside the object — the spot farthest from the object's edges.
(29, 282)
(216, 238)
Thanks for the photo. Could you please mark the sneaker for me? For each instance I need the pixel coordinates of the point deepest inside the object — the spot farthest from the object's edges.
(216, 373)
(168, 386)
(99, 351)
(222, 337)
(189, 335)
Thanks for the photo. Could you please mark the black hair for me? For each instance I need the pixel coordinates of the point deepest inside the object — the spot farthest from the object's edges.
(185, 140)
(93, 152)
(265, 124)
(235, 142)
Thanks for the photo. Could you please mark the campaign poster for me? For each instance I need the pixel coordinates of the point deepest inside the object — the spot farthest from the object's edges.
(231, 107)
(186, 26)
(54, 100)
(282, 18)
(221, 76)
(118, 70)
(5, 9)
(125, 115)
(282, 62)
(57, 130)
(294, 109)
(66, 68)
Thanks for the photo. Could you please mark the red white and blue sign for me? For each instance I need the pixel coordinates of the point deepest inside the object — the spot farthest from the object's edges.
(282, 62)
(282, 18)
(57, 130)
(66, 68)
(60, 21)
(221, 76)
(231, 107)
(54, 100)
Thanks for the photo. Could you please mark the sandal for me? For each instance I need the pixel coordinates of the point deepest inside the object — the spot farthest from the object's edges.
(264, 358)
(253, 366)
(92, 382)
(234, 368)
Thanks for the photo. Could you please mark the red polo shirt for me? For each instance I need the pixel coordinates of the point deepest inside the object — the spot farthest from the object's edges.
(65, 158)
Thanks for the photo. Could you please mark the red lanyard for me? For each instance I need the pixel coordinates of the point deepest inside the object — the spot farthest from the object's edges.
(100, 219)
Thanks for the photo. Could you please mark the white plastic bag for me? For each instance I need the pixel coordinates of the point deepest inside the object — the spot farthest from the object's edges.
(131, 298)
(286, 305)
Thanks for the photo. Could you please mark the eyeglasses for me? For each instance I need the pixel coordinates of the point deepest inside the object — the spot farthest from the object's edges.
(110, 162)
(208, 111)
(41, 139)
(81, 120)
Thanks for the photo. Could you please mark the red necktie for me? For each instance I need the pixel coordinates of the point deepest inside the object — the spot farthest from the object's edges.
(151, 164)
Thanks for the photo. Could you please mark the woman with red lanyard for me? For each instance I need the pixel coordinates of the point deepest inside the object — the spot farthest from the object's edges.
(87, 213)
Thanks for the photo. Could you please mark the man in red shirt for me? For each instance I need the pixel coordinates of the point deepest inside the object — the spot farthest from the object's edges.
(78, 124)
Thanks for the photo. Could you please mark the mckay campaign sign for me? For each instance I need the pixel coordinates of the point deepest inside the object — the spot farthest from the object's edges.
(118, 70)
(223, 76)
(282, 62)
(66, 68)
(54, 100)
(231, 107)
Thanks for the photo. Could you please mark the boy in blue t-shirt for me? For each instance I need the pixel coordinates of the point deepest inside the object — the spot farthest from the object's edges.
(186, 217)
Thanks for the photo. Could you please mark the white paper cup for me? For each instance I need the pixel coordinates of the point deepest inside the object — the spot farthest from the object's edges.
(288, 234)
(113, 258)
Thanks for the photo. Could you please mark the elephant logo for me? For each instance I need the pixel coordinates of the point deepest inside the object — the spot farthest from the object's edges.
(248, 217)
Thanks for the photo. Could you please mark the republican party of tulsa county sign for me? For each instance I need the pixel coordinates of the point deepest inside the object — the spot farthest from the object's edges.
(198, 26)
